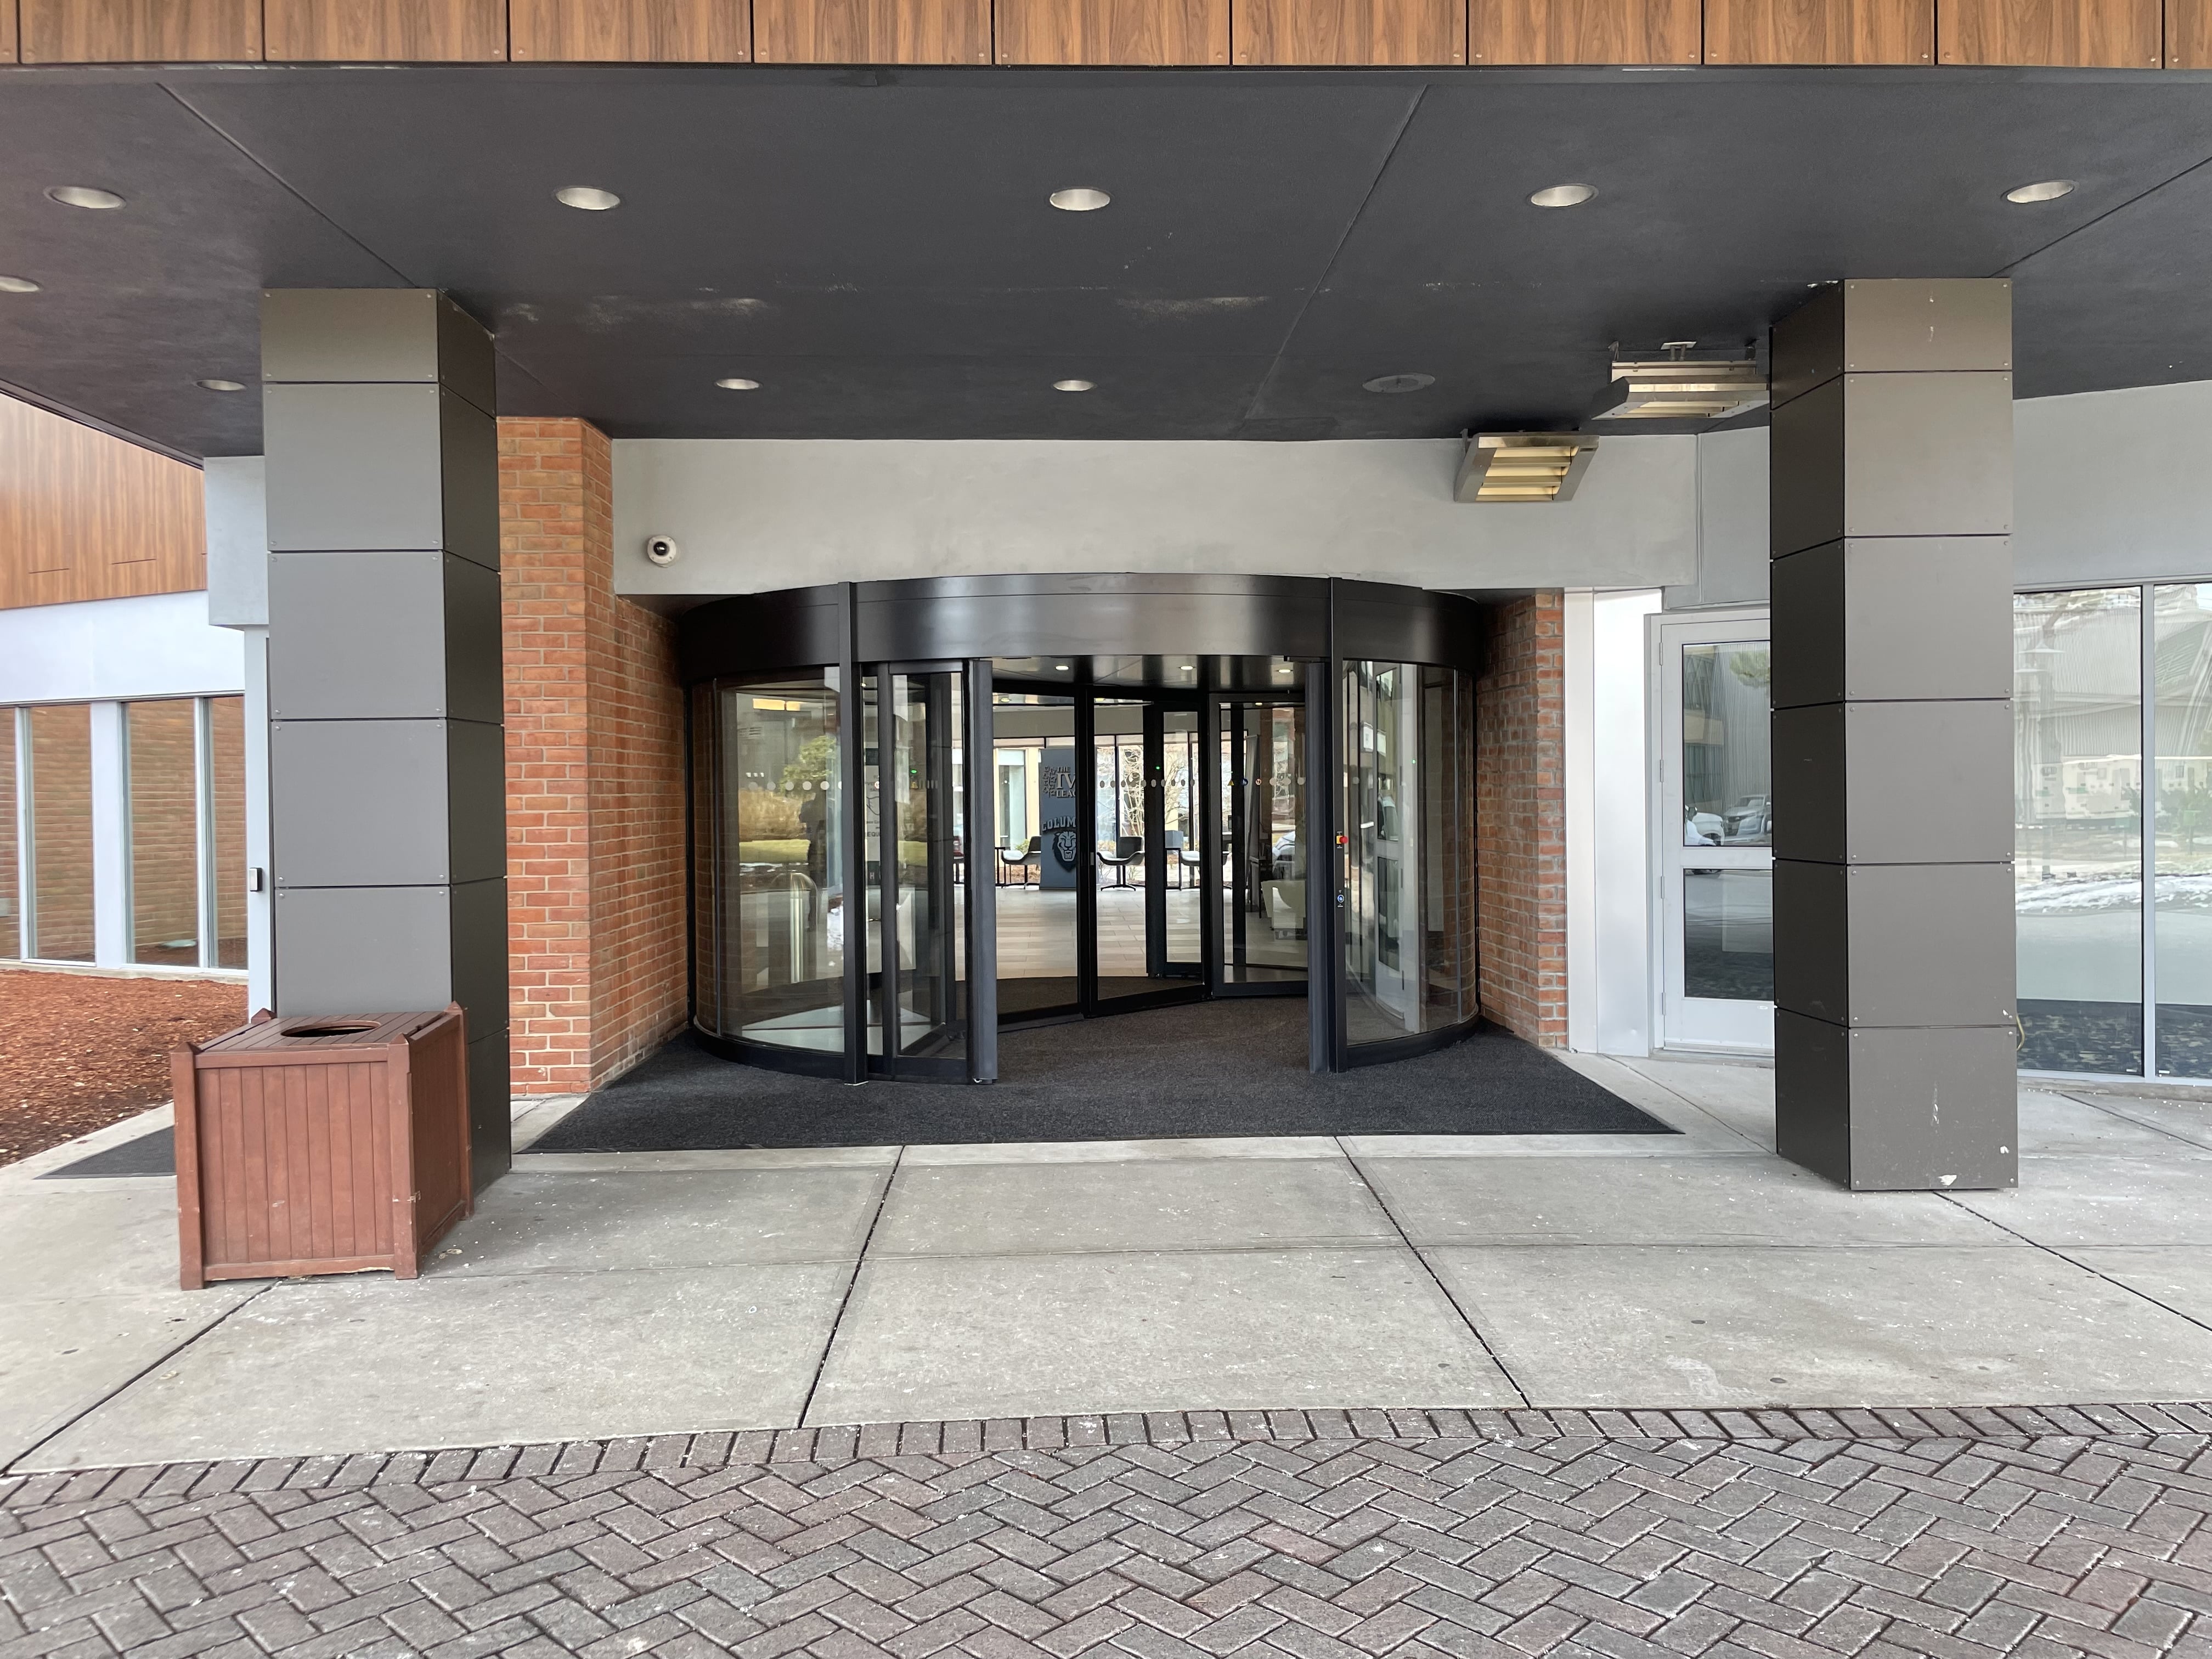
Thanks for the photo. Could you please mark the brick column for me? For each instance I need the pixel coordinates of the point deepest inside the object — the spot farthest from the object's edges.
(595, 773)
(1520, 816)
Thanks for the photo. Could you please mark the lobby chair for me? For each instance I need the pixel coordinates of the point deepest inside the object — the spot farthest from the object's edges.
(1013, 858)
(1126, 850)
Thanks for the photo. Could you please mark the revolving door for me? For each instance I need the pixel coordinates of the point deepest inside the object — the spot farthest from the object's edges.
(896, 856)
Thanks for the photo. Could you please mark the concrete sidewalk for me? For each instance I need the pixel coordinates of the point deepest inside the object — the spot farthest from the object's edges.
(594, 1297)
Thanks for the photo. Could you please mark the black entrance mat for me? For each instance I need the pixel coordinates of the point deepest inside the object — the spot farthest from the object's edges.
(1216, 1068)
(153, 1153)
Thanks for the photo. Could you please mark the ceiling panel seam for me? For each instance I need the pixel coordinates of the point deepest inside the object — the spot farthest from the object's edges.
(1350, 225)
(2067, 236)
(284, 184)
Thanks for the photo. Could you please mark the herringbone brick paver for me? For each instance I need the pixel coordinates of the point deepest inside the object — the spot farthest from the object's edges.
(1322, 1535)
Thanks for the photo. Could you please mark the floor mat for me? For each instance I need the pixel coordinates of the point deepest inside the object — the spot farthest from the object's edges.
(1216, 1068)
(151, 1154)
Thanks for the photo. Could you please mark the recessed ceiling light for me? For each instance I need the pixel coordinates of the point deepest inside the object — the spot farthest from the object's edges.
(584, 196)
(1078, 201)
(738, 383)
(1060, 667)
(17, 285)
(223, 385)
(1070, 385)
(1398, 383)
(1563, 195)
(84, 195)
(2046, 190)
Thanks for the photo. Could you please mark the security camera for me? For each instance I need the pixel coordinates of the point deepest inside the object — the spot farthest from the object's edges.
(662, 550)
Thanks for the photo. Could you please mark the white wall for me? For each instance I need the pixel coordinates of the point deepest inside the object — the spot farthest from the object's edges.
(2108, 486)
(757, 514)
(159, 646)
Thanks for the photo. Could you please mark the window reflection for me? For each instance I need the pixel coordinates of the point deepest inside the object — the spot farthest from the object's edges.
(1409, 856)
(781, 931)
(1726, 770)
(60, 832)
(2077, 708)
(165, 863)
(1728, 935)
(11, 921)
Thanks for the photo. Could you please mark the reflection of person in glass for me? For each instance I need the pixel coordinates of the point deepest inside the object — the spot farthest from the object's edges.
(813, 824)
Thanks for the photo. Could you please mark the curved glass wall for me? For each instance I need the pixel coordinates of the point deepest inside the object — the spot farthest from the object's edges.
(1409, 850)
(897, 856)
(772, 914)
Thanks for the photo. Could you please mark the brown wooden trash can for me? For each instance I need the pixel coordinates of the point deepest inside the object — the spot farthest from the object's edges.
(322, 1145)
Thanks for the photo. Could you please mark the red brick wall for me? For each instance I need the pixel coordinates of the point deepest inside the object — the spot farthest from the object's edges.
(595, 779)
(1520, 819)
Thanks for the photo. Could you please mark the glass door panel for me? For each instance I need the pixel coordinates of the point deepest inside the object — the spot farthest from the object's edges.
(916, 992)
(1138, 859)
(1384, 996)
(779, 933)
(1716, 864)
(1262, 846)
(1033, 758)
(1181, 859)
(2182, 880)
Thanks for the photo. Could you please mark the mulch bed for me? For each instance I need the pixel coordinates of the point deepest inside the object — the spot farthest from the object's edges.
(81, 1051)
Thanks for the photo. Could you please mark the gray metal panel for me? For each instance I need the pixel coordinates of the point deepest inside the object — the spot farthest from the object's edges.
(362, 950)
(354, 469)
(475, 690)
(1893, 944)
(350, 334)
(465, 360)
(237, 518)
(1929, 454)
(1807, 748)
(468, 443)
(1898, 1110)
(475, 800)
(491, 1119)
(1893, 782)
(1806, 601)
(1930, 783)
(360, 635)
(1924, 327)
(1922, 619)
(1806, 347)
(477, 952)
(359, 803)
(1805, 470)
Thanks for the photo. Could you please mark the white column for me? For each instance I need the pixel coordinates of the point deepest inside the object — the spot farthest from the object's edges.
(110, 837)
(261, 941)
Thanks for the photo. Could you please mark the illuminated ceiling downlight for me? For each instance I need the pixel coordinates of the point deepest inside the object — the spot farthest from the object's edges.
(1681, 386)
(1523, 466)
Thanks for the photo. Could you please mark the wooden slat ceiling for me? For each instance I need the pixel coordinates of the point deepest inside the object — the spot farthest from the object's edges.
(2102, 34)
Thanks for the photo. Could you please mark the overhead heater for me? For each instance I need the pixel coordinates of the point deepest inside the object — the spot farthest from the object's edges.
(1683, 385)
(1523, 466)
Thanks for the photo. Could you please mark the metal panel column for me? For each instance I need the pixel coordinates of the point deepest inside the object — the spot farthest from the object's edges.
(1892, 735)
(387, 775)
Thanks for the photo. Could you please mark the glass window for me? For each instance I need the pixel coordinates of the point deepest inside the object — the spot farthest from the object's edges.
(1725, 765)
(1263, 896)
(165, 832)
(11, 869)
(2077, 667)
(1409, 864)
(2182, 854)
(1728, 935)
(227, 811)
(782, 932)
(927, 982)
(61, 833)
(1033, 740)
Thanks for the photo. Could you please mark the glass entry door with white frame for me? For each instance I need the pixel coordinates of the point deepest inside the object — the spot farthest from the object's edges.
(1715, 859)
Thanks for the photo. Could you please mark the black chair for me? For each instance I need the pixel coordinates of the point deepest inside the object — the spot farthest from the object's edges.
(1126, 850)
